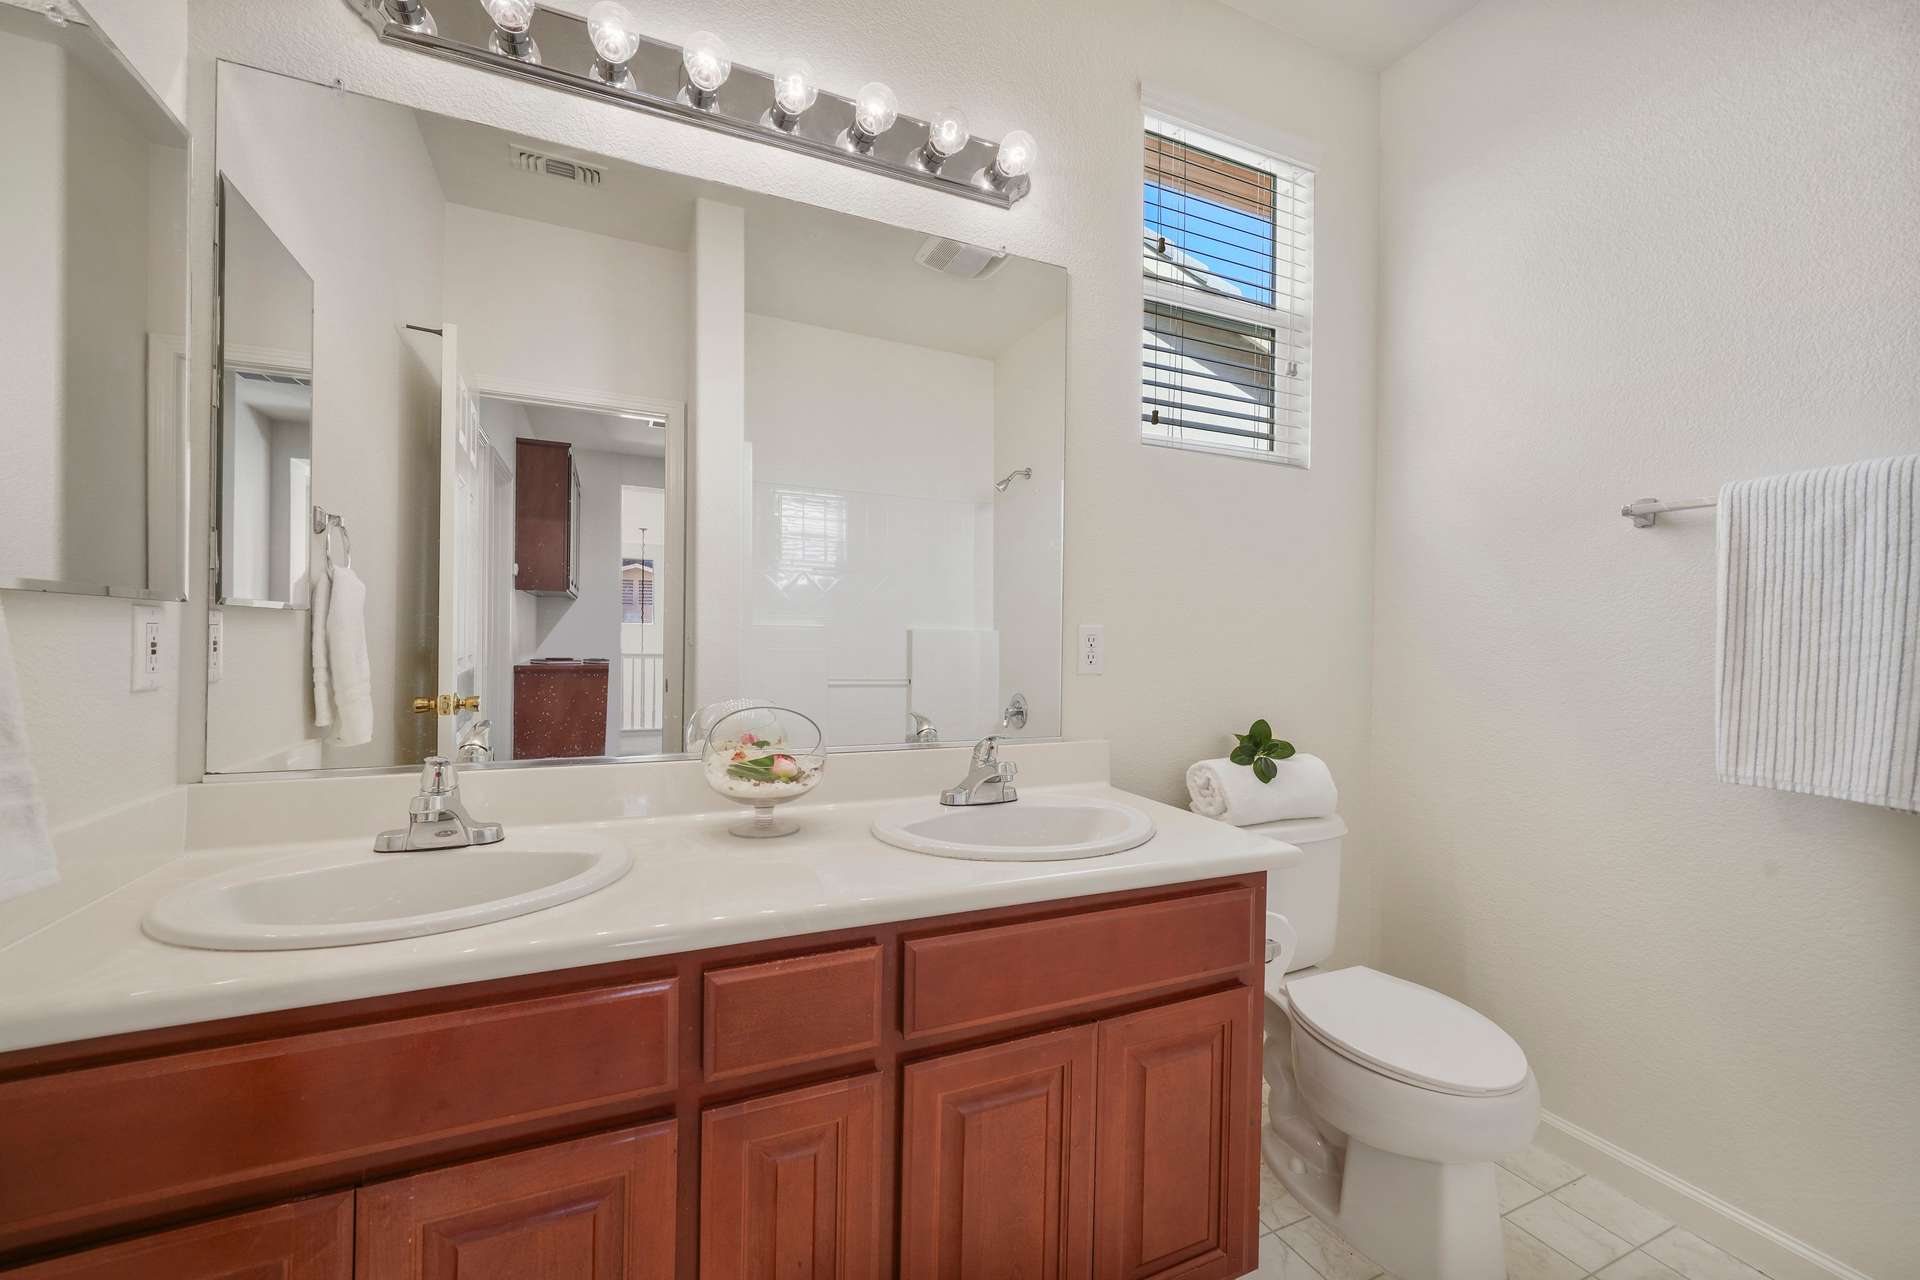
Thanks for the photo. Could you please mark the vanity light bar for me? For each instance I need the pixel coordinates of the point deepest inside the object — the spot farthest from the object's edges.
(557, 49)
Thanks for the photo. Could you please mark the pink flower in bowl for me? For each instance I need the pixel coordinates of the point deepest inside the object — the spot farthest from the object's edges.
(785, 768)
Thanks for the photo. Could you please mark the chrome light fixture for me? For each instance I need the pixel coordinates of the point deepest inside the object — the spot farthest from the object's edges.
(411, 15)
(604, 55)
(874, 111)
(616, 38)
(947, 137)
(1015, 158)
(707, 63)
(794, 90)
(512, 34)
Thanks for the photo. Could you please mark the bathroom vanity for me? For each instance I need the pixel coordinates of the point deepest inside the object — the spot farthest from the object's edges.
(1063, 1085)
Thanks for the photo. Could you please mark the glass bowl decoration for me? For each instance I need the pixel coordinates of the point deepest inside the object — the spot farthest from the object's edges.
(762, 757)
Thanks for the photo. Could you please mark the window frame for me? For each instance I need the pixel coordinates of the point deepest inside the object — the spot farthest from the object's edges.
(1241, 143)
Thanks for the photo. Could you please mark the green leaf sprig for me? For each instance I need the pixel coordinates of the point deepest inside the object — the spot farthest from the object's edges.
(1259, 749)
(760, 770)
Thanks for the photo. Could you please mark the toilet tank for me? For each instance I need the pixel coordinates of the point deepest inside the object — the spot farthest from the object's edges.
(1308, 893)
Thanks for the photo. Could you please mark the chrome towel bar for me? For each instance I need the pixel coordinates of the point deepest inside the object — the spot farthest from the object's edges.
(1645, 512)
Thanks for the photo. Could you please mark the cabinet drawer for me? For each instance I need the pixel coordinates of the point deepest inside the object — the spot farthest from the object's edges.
(307, 1240)
(785, 1012)
(129, 1140)
(968, 979)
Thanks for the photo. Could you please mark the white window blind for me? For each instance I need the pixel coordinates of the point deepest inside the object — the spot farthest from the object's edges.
(1226, 331)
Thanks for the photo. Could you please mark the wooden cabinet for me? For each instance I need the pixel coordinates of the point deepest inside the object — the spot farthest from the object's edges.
(546, 522)
(1177, 1157)
(997, 1161)
(599, 1208)
(1063, 1091)
(307, 1240)
(560, 708)
(791, 1185)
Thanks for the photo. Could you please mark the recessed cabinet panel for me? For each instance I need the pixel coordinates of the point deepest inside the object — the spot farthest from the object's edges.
(1177, 1186)
(790, 1185)
(306, 1240)
(785, 1012)
(997, 1161)
(546, 500)
(600, 1208)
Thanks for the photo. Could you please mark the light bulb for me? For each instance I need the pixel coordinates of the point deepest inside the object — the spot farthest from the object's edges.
(511, 16)
(1017, 152)
(707, 61)
(611, 27)
(947, 133)
(874, 110)
(793, 87)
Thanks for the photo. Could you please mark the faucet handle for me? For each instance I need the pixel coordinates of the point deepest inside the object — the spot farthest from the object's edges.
(437, 777)
(987, 750)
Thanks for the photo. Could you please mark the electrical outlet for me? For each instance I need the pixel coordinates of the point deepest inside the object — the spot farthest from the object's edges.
(148, 648)
(1093, 650)
(216, 645)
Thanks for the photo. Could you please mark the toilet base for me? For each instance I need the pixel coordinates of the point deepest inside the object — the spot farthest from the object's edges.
(1419, 1220)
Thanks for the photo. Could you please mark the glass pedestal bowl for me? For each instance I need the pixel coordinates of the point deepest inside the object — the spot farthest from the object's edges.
(763, 757)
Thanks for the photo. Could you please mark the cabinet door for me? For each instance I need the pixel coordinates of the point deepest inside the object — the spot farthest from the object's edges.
(307, 1240)
(1178, 1179)
(790, 1185)
(599, 1208)
(997, 1162)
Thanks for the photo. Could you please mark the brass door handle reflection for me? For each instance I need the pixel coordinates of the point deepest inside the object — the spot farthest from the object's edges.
(446, 704)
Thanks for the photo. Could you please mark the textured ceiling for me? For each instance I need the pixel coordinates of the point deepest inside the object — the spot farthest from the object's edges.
(1372, 33)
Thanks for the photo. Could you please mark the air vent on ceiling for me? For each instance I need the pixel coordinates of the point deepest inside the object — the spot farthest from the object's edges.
(958, 258)
(573, 171)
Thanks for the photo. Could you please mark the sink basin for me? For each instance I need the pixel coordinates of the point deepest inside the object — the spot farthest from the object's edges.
(337, 898)
(1043, 829)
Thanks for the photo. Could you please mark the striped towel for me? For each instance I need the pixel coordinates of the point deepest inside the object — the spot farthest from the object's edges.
(1819, 633)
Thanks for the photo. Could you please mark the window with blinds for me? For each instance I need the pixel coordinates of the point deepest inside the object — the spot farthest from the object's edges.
(1226, 326)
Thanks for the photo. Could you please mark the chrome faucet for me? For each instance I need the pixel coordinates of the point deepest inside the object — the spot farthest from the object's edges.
(923, 729)
(989, 781)
(436, 819)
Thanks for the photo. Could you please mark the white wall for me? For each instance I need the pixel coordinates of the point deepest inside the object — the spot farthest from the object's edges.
(313, 163)
(901, 458)
(591, 314)
(1029, 404)
(152, 36)
(1631, 249)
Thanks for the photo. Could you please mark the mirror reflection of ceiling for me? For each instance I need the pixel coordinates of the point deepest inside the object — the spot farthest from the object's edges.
(805, 264)
(598, 431)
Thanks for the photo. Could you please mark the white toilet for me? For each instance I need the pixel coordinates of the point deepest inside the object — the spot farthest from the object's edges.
(1389, 1102)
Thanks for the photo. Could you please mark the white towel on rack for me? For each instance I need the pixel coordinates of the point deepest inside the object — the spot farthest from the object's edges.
(342, 672)
(1819, 633)
(26, 852)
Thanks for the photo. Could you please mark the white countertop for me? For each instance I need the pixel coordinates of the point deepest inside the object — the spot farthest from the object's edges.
(94, 973)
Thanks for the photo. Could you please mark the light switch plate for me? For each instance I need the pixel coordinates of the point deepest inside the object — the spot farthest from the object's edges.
(1092, 658)
(149, 648)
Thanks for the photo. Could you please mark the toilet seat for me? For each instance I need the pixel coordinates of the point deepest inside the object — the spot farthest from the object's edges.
(1407, 1032)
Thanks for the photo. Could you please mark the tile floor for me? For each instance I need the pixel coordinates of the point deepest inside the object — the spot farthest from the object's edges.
(1560, 1225)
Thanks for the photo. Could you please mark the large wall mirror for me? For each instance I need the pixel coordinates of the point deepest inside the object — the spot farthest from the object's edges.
(589, 446)
(93, 318)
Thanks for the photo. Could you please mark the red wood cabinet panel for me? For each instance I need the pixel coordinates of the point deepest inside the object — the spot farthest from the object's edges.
(598, 1208)
(1177, 1182)
(996, 1163)
(543, 517)
(306, 1240)
(560, 709)
(127, 1140)
(785, 1012)
(790, 1185)
(979, 976)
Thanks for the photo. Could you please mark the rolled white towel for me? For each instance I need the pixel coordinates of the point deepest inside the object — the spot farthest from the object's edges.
(1302, 788)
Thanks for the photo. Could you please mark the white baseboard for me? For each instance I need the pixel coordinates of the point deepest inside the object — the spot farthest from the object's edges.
(1781, 1256)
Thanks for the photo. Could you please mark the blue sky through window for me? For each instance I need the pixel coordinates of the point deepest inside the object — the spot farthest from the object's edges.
(1231, 248)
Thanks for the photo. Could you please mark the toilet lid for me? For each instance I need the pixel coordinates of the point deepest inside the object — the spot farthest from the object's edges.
(1403, 1030)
